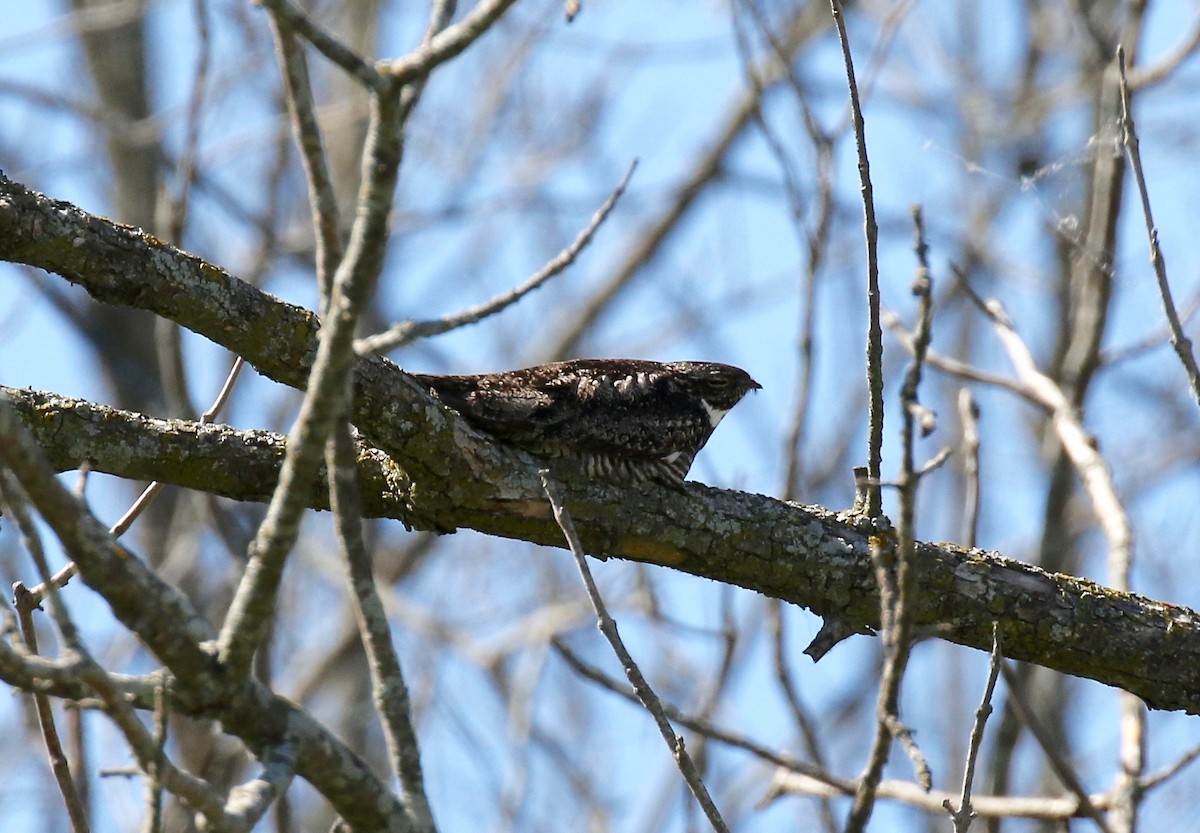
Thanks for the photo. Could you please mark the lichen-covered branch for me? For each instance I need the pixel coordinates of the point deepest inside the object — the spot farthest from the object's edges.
(447, 477)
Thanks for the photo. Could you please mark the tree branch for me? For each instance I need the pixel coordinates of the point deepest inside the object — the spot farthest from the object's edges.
(804, 555)
(180, 637)
(445, 477)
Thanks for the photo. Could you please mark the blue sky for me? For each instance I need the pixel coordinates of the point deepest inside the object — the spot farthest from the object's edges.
(475, 217)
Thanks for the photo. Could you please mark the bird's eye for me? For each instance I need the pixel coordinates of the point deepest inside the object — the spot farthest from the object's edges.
(718, 382)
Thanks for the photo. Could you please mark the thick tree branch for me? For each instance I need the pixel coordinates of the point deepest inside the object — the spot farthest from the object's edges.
(217, 459)
(805, 555)
(447, 477)
(181, 638)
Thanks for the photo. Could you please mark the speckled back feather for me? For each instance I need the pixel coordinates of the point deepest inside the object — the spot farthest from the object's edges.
(623, 420)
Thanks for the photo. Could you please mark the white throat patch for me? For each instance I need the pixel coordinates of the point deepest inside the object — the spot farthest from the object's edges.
(715, 415)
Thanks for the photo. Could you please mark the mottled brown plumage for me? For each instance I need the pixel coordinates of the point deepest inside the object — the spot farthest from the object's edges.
(623, 420)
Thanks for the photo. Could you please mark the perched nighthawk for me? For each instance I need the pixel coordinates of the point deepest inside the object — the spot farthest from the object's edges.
(623, 420)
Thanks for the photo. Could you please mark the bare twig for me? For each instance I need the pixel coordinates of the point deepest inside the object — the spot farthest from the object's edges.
(1120, 555)
(804, 25)
(964, 814)
(441, 12)
(1079, 444)
(1169, 771)
(177, 203)
(881, 744)
(1181, 343)
(951, 365)
(814, 240)
(322, 199)
(800, 714)
(144, 499)
(703, 727)
(1112, 356)
(154, 786)
(406, 332)
(800, 777)
(387, 677)
(896, 588)
(1001, 808)
(1083, 451)
(196, 792)
(79, 752)
(871, 229)
(446, 44)
(968, 417)
(60, 767)
(253, 605)
(355, 65)
(12, 500)
(1149, 75)
(645, 693)
(935, 462)
(1058, 763)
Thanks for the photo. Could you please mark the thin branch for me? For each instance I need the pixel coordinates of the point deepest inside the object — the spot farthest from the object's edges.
(355, 65)
(897, 582)
(253, 605)
(446, 44)
(1150, 75)
(871, 230)
(185, 168)
(999, 807)
(249, 802)
(1083, 451)
(60, 766)
(406, 332)
(964, 814)
(814, 241)
(1112, 356)
(935, 462)
(79, 752)
(1062, 768)
(441, 12)
(804, 25)
(1171, 770)
(1181, 343)
(207, 418)
(1080, 445)
(387, 677)
(800, 777)
(951, 365)
(645, 693)
(968, 417)
(154, 785)
(800, 714)
(322, 200)
(196, 792)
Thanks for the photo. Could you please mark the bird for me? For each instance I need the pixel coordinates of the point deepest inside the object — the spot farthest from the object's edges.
(618, 420)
